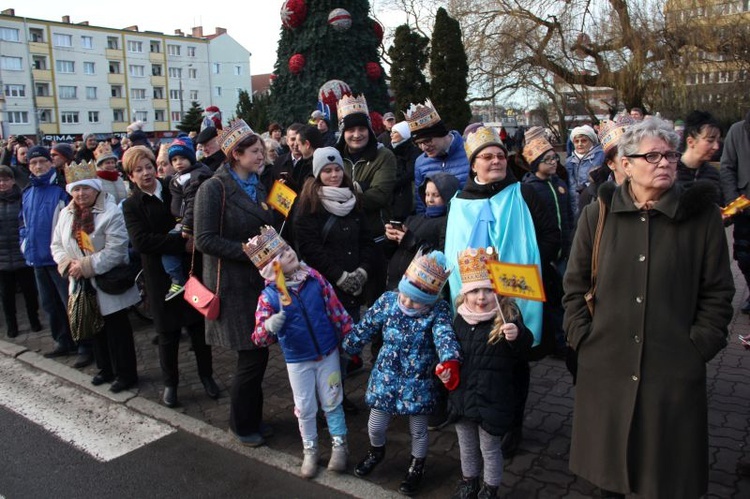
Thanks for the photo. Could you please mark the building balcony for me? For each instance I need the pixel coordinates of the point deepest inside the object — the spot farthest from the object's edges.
(120, 127)
(38, 48)
(161, 126)
(41, 74)
(45, 102)
(158, 81)
(116, 79)
(156, 57)
(118, 103)
(48, 128)
(159, 103)
(113, 54)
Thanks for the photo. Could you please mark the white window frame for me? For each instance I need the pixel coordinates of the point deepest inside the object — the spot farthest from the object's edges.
(9, 34)
(93, 116)
(17, 117)
(193, 95)
(176, 116)
(158, 92)
(138, 93)
(141, 116)
(64, 92)
(65, 67)
(113, 43)
(174, 94)
(135, 47)
(136, 70)
(87, 42)
(118, 115)
(115, 89)
(9, 63)
(91, 93)
(89, 68)
(15, 90)
(175, 72)
(45, 116)
(62, 40)
(216, 68)
(193, 73)
(69, 117)
(238, 71)
(190, 51)
(173, 49)
(159, 115)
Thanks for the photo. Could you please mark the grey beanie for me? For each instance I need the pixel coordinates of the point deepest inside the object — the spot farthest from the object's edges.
(325, 156)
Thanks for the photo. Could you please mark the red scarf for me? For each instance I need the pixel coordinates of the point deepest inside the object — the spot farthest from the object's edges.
(108, 175)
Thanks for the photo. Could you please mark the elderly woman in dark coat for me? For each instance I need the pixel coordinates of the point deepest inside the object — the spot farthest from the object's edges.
(149, 220)
(230, 209)
(663, 302)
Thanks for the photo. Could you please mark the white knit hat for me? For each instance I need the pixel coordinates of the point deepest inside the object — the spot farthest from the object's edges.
(586, 131)
(402, 127)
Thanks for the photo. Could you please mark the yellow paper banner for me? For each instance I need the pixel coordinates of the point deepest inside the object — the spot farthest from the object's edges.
(516, 280)
(736, 206)
(281, 284)
(281, 198)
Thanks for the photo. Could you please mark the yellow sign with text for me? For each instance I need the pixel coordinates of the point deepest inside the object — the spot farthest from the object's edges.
(281, 198)
(516, 280)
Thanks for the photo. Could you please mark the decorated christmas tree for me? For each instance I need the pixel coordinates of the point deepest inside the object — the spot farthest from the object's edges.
(328, 48)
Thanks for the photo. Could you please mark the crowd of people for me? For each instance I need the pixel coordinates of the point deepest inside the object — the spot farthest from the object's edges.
(388, 244)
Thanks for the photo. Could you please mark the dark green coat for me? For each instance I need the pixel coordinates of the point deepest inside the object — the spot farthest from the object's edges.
(663, 303)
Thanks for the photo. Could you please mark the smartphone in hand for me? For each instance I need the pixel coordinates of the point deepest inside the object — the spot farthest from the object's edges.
(397, 225)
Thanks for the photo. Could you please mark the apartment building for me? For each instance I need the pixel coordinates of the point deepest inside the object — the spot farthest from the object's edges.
(64, 79)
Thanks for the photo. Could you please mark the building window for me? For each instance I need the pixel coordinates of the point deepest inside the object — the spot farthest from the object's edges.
(39, 62)
(158, 92)
(141, 116)
(11, 63)
(136, 70)
(116, 91)
(158, 115)
(118, 115)
(173, 49)
(9, 35)
(45, 116)
(114, 67)
(238, 71)
(113, 43)
(93, 116)
(69, 117)
(60, 40)
(174, 94)
(156, 70)
(65, 66)
(217, 91)
(191, 51)
(193, 95)
(36, 35)
(42, 89)
(88, 68)
(67, 92)
(18, 117)
(87, 42)
(176, 116)
(91, 93)
(216, 68)
(15, 90)
(192, 73)
(138, 93)
(175, 72)
(134, 46)
(155, 47)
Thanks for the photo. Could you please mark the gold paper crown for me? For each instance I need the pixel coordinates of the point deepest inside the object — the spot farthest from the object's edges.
(426, 273)
(535, 148)
(480, 138)
(472, 265)
(265, 246)
(236, 131)
(350, 104)
(421, 116)
(102, 149)
(80, 171)
(611, 131)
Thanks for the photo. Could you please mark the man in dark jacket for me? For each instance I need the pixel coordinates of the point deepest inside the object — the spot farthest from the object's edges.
(86, 153)
(287, 161)
(213, 157)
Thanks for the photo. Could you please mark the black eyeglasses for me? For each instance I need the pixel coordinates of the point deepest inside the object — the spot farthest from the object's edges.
(655, 157)
(550, 159)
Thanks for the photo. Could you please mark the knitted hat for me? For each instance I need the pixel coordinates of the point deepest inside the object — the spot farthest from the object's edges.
(231, 136)
(104, 157)
(325, 156)
(65, 150)
(352, 111)
(38, 152)
(425, 277)
(182, 146)
(316, 115)
(610, 131)
(585, 130)
(87, 136)
(402, 128)
(424, 121)
(266, 246)
(536, 144)
(7, 171)
(82, 173)
(481, 138)
(472, 266)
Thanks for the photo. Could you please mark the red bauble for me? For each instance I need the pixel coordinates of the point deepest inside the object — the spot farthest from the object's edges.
(332, 91)
(293, 13)
(373, 70)
(378, 29)
(376, 119)
(296, 64)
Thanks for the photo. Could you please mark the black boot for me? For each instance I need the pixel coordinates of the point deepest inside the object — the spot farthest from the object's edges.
(12, 326)
(487, 491)
(373, 457)
(467, 488)
(413, 478)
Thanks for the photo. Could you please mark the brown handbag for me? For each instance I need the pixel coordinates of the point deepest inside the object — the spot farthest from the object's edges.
(590, 296)
(196, 293)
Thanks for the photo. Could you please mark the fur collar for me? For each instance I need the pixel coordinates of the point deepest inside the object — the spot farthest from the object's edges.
(681, 202)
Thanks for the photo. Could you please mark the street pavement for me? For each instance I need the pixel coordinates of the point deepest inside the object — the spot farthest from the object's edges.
(539, 470)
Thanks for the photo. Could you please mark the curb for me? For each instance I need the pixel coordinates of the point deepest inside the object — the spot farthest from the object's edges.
(344, 483)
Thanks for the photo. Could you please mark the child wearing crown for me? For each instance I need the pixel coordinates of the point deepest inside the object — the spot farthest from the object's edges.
(417, 333)
(493, 339)
(299, 309)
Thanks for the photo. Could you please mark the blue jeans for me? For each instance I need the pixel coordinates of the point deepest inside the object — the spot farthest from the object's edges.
(53, 293)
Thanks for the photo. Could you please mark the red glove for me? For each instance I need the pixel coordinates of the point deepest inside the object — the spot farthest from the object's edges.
(449, 373)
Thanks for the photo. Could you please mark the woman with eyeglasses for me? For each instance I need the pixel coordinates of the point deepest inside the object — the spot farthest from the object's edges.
(495, 209)
(661, 307)
(587, 155)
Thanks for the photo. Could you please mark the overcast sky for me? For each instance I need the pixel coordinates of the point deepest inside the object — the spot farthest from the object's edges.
(255, 25)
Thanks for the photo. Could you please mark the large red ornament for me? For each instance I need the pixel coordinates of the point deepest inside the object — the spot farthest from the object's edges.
(296, 64)
(332, 91)
(376, 120)
(378, 29)
(293, 13)
(373, 70)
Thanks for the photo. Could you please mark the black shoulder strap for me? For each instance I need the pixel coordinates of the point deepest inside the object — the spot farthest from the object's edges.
(328, 226)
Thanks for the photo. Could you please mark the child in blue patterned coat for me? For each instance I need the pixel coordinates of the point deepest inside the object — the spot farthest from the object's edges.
(417, 334)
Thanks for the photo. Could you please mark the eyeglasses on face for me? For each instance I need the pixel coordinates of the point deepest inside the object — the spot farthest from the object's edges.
(655, 157)
(552, 160)
(423, 142)
(488, 156)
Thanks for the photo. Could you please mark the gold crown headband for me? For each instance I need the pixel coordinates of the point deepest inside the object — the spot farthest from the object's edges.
(352, 105)
(472, 264)
(426, 274)
(265, 246)
(229, 137)
(481, 137)
(420, 116)
(75, 172)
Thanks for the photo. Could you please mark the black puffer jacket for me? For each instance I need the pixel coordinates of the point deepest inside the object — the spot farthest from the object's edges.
(403, 192)
(487, 393)
(10, 248)
(554, 194)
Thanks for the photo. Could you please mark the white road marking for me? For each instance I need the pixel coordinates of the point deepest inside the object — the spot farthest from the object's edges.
(104, 429)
